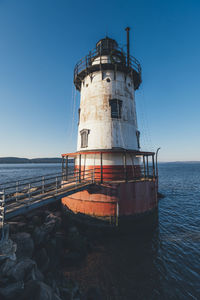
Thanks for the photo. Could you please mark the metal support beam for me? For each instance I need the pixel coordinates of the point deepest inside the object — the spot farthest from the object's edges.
(144, 166)
(101, 167)
(66, 168)
(125, 167)
(153, 164)
(147, 166)
(128, 46)
(63, 166)
(79, 167)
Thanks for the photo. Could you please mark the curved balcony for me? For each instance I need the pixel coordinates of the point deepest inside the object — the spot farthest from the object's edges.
(109, 59)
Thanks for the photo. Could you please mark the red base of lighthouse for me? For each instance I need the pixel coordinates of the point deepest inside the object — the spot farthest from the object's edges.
(119, 192)
(113, 202)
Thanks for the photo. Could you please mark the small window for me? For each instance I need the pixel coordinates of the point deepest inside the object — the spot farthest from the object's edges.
(138, 138)
(87, 85)
(116, 108)
(84, 137)
(108, 79)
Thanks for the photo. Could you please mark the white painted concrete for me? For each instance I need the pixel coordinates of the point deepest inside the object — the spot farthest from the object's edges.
(110, 159)
(95, 111)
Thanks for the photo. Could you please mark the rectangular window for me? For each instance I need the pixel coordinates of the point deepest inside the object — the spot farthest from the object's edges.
(84, 137)
(116, 108)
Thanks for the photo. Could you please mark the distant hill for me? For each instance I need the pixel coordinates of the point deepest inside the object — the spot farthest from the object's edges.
(17, 160)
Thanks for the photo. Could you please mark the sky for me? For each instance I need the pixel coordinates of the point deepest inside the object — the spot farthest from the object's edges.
(42, 40)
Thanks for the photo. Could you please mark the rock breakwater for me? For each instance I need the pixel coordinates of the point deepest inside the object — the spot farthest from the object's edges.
(34, 251)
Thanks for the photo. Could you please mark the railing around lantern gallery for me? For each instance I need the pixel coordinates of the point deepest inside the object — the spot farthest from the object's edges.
(113, 57)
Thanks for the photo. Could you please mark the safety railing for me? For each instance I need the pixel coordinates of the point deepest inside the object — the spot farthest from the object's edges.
(94, 54)
(24, 192)
(26, 188)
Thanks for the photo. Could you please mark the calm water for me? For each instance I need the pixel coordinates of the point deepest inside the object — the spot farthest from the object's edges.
(164, 264)
(11, 172)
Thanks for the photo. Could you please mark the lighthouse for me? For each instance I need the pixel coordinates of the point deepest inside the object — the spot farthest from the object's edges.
(108, 144)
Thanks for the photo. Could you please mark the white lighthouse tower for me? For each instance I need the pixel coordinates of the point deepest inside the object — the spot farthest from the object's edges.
(108, 135)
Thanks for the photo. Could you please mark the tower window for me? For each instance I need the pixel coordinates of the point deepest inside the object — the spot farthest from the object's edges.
(138, 138)
(108, 79)
(116, 108)
(84, 137)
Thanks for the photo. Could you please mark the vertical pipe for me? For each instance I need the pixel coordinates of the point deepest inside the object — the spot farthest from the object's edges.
(79, 167)
(147, 166)
(125, 167)
(128, 46)
(157, 166)
(117, 214)
(144, 166)
(153, 165)
(63, 167)
(66, 168)
(101, 167)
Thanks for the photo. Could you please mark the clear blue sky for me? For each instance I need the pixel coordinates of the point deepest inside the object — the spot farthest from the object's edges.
(40, 42)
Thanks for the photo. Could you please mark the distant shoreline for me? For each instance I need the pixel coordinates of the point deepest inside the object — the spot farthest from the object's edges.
(17, 160)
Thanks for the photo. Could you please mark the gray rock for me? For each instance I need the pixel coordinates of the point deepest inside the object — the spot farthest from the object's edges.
(67, 289)
(17, 270)
(93, 293)
(25, 244)
(12, 290)
(37, 290)
(36, 220)
(35, 274)
(77, 243)
(17, 227)
(73, 231)
(55, 218)
(7, 246)
(41, 234)
(72, 258)
(42, 259)
(54, 253)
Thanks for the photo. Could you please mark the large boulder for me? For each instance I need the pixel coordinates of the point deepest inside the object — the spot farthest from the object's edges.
(7, 246)
(55, 218)
(54, 253)
(12, 290)
(25, 244)
(42, 259)
(77, 242)
(93, 292)
(20, 270)
(42, 233)
(37, 290)
(72, 258)
(66, 288)
(17, 227)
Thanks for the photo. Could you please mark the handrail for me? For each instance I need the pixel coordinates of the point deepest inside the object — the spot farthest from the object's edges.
(24, 193)
(89, 60)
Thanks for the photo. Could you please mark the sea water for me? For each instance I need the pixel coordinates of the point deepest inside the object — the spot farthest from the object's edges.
(162, 264)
